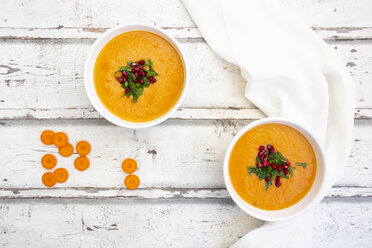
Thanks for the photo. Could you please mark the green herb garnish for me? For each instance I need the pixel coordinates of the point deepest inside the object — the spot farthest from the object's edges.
(135, 76)
(272, 165)
(302, 164)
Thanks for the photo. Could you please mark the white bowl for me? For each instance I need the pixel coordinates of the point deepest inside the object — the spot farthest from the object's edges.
(313, 197)
(89, 68)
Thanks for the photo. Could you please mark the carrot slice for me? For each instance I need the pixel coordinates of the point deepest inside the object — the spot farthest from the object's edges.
(61, 175)
(81, 163)
(83, 148)
(48, 161)
(129, 165)
(132, 182)
(49, 179)
(66, 150)
(47, 137)
(60, 139)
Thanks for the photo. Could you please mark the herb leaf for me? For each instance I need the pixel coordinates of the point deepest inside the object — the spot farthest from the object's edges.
(132, 83)
(277, 158)
(302, 164)
(125, 68)
(290, 170)
(266, 170)
(152, 73)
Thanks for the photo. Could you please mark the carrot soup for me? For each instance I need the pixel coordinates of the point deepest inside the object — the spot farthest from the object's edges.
(272, 166)
(138, 76)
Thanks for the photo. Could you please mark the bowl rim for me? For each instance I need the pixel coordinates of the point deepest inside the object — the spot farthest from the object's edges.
(89, 68)
(299, 208)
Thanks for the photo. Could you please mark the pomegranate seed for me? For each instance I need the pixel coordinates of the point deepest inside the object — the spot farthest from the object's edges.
(124, 73)
(140, 68)
(266, 156)
(279, 168)
(141, 62)
(136, 68)
(277, 181)
(133, 70)
(133, 64)
(285, 171)
(274, 166)
(287, 163)
(259, 164)
(136, 74)
(136, 81)
(143, 73)
(152, 79)
(120, 79)
(285, 167)
(266, 163)
(124, 79)
(267, 179)
(261, 148)
(127, 90)
(270, 148)
(141, 81)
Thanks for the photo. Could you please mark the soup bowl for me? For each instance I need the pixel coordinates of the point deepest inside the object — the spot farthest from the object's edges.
(90, 62)
(313, 196)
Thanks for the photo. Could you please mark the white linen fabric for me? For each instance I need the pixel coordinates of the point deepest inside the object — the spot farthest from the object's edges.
(291, 72)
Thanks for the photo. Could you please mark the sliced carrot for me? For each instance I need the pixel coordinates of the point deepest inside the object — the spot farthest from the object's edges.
(66, 150)
(132, 182)
(60, 139)
(48, 161)
(49, 179)
(47, 137)
(81, 163)
(129, 165)
(83, 148)
(61, 175)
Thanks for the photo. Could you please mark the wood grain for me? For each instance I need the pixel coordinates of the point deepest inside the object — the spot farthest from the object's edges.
(182, 200)
(28, 83)
(163, 223)
(189, 156)
(338, 191)
(181, 33)
(85, 19)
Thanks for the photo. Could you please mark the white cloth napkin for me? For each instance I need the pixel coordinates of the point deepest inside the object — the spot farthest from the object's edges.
(291, 72)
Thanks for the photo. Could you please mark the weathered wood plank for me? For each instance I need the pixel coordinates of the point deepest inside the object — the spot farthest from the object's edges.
(31, 72)
(122, 223)
(163, 223)
(180, 114)
(189, 156)
(152, 193)
(31, 20)
(61, 32)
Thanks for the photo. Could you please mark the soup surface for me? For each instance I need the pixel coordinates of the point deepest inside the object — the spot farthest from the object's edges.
(294, 147)
(157, 99)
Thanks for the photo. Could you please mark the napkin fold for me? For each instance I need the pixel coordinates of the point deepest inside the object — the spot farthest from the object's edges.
(290, 72)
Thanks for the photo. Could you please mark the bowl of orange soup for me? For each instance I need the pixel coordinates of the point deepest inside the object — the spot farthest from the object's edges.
(274, 169)
(136, 75)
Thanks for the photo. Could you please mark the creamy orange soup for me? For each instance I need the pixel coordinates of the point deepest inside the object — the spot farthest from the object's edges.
(157, 99)
(294, 147)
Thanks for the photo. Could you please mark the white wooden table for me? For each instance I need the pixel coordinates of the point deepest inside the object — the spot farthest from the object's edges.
(182, 201)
